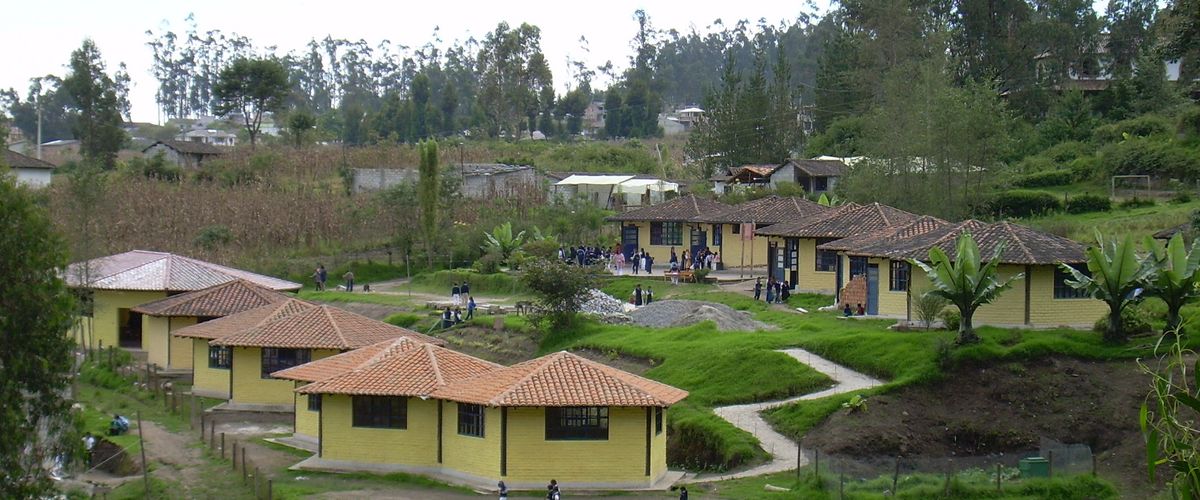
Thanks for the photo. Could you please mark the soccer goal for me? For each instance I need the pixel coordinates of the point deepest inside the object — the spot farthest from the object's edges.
(1130, 182)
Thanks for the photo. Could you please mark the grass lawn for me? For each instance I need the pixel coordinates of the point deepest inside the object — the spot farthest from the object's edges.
(1136, 222)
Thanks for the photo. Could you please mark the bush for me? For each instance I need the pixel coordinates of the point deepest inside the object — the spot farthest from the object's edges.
(1181, 197)
(1035, 165)
(951, 318)
(489, 263)
(1065, 152)
(1084, 167)
(1088, 203)
(154, 167)
(499, 283)
(1150, 157)
(1136, 202)
(545, 249)
(928, 307)
(404, 320)
(1142, 126)
(1021, 203)
(1134, 319)
(212, 237)
(1048, 178)
(1189, 122)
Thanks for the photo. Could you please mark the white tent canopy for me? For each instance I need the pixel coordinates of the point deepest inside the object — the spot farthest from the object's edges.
(595, 180)
(642, 185)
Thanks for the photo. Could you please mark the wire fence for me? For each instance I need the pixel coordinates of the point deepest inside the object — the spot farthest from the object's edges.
(898, 475)
(222, 448)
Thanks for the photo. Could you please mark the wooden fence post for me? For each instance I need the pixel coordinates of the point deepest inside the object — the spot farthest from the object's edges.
(244, 467)
(842, 486)
(222, 446)
(817, 463)
(233, 456)
(270, 483)
(896, 476)
(142, 445)
(1050, 465)
(997, 478)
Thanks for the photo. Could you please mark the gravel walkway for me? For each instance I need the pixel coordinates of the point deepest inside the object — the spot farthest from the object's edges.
(784, 452)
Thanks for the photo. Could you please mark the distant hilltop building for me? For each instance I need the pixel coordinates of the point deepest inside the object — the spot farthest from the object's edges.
(479, 180)
(209, 136)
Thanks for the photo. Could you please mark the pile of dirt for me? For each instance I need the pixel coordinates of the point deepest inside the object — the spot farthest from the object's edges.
(1005, 408)
(670, 313)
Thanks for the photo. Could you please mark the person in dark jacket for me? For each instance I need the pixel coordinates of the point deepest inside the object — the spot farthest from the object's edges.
(637, 295)
(683, 493)
(758, 289)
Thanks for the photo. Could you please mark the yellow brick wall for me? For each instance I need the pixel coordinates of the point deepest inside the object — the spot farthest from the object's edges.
(661, 253)
(658, 449)
(307, 422)
(1045, 310)
(621, 458)
(731, 249)
(888, 300)
(248, 385)
(416, 445)
(210, 380)
(155, 337)
(811, 281)
(181, 348)
(473, 455)
(105, 313)
(1009, 308)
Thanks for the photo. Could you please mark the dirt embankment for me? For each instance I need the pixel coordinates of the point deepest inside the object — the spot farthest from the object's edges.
(1004, 408)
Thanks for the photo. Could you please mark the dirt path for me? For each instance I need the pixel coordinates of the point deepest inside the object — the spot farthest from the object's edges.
(784, 452)
(176, 458)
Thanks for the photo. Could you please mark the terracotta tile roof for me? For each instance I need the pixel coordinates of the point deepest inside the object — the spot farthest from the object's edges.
(769, 210)
(1022, 245)
(922, 225)
(160, 271)
(681, 209)
(188, 147)
(848, 220)
(18, 160)
(561, 379)
(762, 169)
(215, 301)
(821, 168)
(338, 364)
(404, 369)
(245, 320)
(320, 327)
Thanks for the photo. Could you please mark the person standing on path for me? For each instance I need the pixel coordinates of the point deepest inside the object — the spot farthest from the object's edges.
(619, 263)
(758, 289)
(649, 262)
(316, 276)
(465, 290)
(637, 262)
(649, 295)
(455, 292)
(349, 277)
(503, 490)
(470, 307)
(637, 295)
(683, 493)
(771, 291)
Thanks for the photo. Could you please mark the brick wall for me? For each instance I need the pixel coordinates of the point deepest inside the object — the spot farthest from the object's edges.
(854, 293)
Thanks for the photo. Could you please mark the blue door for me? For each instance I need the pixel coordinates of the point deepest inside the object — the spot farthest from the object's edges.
(629, 240)
(873, 289)
(699, 240)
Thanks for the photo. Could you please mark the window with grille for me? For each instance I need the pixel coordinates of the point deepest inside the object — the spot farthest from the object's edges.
(314, 402)
(577, 422)
(826, 259)
(666, 233)
(470, 420)
(385, 412)
(858, 266)
(716, 228)
(898, 282)
(275, 359)
(219, 357)
(1064, 291)
(658, 420)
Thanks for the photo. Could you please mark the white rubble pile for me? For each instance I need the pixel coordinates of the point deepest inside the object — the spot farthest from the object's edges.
(605, 307)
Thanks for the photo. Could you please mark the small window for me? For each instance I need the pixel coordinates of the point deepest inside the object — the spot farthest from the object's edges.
(820, 184)
(899, 276)
(1064, 291)
(275, 359)
(577, 422)
(735, 229)
(826, 259)
(219, 357)
(666, 233)
(384, 412)
(314, 402)
(716, 238)
(470, 420)
(658, 420)
(858, 266)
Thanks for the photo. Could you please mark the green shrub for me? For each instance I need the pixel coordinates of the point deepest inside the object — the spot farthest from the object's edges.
(489, 263)
(1142, 126)
(1021, 203)
(499, 283)
(1139, 156)
(545, 249)
(404, 320)
(1065, 152)
(1088, 203)
(1048, 178)
(213, 237)
(1085, 167)
(1136, 202)
(1189, 122)
(1181, 197)
(951, 318)
(1135, 319)
(1035, 165)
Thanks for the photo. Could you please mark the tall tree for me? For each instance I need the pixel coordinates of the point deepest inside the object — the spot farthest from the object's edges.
(1181, 27)
(35, 355)
(1128, 23)
(428, 190)
(300, 122)
(251, 87)
(966, 281)
(511, 71)
(95, 97)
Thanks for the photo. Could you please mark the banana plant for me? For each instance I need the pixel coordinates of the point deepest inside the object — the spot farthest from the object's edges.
(1116, 276)
(1174, 278)
(966, 281)
(502, 240)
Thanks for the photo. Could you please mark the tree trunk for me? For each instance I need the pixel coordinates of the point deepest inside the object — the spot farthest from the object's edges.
(1114, 334)
(966, 330)
(1174, 321)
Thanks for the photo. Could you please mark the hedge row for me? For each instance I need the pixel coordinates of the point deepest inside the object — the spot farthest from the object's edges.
(1045, 179)
(1026, 203)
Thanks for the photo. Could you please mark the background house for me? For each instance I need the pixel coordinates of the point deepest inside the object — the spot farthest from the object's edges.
(660, 227)
(27, 170)
(612, 191)
(479, 180)
(184, 153)
(211, 137)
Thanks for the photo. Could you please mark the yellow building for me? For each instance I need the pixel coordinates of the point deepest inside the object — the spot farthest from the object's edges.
(659, 228)
(313, 333)
(117, 284)
(587, 425)
(726, 228)
(164, 316)
(211, 363)
(808, 269)
(890, 286)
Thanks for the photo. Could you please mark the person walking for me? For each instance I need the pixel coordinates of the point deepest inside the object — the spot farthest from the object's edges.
(649, 295)
(758, 289)
(455, 292)
(619, 263)
(465, 289)
(349, 277)
(637, 262)
(771, 291)
(683, 493)
(470, 307)
(649, 262)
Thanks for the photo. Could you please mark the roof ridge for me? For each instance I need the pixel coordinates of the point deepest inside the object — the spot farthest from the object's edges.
(336, 329)
(433, 365)
(1024, 248)
(548, 359)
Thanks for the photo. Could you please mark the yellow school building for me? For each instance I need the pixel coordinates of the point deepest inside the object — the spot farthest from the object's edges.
(735, 229)
(659, 228)
(879, 275)
(585, 424)
(118, 284)
(311, 334)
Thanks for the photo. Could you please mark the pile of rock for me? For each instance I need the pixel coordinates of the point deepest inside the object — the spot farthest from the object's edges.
(605, 307)
(669, 313)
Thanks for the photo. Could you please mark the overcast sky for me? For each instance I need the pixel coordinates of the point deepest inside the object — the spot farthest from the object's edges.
(38, 36)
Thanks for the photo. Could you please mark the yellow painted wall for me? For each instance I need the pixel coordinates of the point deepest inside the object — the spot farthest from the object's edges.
(156, 334)
(888, 300)
(811, 280)
(210, 380)
(307, 422)
(661, 253)
(105, 315)
(472, 455)
(732, 252)
(621, 458)
(1045, 311)
(250, 388)
(658, 449)
(416, 445)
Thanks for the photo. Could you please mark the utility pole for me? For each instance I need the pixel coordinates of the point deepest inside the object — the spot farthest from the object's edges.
(38, 101)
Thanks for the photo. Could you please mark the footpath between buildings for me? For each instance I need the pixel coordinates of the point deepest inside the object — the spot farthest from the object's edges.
(785, 454)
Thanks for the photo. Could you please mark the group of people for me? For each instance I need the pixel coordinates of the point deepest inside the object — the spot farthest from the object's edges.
(453, 313)
(584, 255)
(777, 291)
(704, 258)
(321, 277)
(641, 297)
